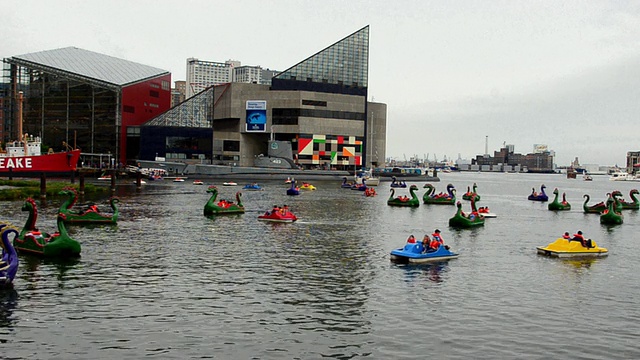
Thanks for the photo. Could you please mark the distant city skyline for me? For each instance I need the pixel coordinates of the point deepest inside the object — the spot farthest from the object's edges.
(561, 74)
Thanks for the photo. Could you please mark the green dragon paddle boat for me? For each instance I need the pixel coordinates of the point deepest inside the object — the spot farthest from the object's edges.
(91, 215)
(556, 205)
(406, 201)
(448, 198)
(593, 209)
(611, 216)
(635, 205)
(222, 206)
(462, 220)
(30, 240)
(471, 194)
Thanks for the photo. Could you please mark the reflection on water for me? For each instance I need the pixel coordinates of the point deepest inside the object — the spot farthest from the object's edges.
(167, 281)
(431, 271)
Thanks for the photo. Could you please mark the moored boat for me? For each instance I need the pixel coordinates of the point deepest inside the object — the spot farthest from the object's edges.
(25, 154)
(252, 187)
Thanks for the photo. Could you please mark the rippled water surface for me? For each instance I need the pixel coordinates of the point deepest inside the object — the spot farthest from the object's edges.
(168, 282)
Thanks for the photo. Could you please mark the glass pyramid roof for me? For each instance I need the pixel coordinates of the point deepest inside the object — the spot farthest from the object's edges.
(89, 64)
(344, 63)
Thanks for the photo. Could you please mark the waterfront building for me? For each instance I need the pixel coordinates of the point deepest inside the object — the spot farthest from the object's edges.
(507, 160)
(318, 106)
(202, 74)
(178, 92)
(83, 98)
(633, 162)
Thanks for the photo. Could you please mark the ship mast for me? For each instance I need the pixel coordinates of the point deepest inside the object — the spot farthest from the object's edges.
(21, 137)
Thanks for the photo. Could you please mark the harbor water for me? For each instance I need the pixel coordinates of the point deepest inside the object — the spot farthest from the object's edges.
(167, 282)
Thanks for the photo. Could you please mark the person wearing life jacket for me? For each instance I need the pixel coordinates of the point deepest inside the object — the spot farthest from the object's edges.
(436, 240)
(411, 239)
(566, 236)
(426, 242)
(579, 237)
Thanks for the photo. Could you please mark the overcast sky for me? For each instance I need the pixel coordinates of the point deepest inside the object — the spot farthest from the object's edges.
(561, 73)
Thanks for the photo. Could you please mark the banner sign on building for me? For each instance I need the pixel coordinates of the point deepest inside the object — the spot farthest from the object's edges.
(256, 115)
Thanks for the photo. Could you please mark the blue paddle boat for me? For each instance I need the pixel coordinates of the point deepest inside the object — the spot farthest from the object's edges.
(414, 253)
(397, 184)
(252, 187)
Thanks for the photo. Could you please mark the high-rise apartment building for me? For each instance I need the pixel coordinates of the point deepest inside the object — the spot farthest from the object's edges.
(203, 74)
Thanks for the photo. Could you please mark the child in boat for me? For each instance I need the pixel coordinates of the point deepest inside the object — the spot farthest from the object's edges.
(566, 236)
(411, 239)
(426, 243)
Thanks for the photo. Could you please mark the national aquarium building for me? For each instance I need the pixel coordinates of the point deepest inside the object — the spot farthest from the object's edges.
(315, 114)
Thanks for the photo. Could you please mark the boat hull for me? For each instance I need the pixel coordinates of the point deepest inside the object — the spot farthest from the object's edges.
(412, 253)
(62, 162)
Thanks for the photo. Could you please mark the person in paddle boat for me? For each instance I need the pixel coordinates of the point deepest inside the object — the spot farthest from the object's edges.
(566, 236)
(275, 210)
(224, 203)
(426, 243)
(411, 239)
(284, 210)
(585, 242)
(437, 238)
(91, 208)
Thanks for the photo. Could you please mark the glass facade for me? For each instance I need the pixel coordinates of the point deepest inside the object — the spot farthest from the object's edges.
(345, 63)
(195, 112)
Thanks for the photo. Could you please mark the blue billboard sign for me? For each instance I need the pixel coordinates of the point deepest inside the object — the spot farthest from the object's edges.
(256, 115)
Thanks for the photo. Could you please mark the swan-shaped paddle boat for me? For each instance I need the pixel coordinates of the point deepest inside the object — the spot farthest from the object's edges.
(370, 192)
(307, 186)
(406, 201)
(253, 187)
(31, 240)
(397, 184)
(471, 194)
(90, 215)
(593, 209)
(462, 220)
(293, 190)
(448, 198)
(485, 212)
(346, 184)
(541, 196)
(9, 261)
(277, 214)
(568, 248)
(361, 186)
(611, 216)
(634, 205)
(415, 253)
(222, 206)
(556, 205)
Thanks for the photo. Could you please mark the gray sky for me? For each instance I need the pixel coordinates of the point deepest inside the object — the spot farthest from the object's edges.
(561, 73)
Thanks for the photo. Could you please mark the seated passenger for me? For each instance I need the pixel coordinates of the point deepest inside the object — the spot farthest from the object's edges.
(426, 242)
(411, 239)
(566, 236)
(579, 237)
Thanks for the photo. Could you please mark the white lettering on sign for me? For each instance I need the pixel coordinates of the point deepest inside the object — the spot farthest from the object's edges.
(16, 163)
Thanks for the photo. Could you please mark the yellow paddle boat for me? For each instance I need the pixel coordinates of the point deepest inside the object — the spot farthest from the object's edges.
(566, 248)
(307, 186)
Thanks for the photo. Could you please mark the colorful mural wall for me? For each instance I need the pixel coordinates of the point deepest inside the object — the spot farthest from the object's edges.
(329, 149)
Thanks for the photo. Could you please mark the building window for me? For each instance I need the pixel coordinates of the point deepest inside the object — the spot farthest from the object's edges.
(165, 85)
(230, 145)
(154, 94)
(314, 103)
